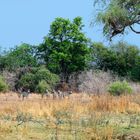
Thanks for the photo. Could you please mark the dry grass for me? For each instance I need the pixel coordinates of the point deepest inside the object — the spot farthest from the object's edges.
(78, 104)
(77, 117)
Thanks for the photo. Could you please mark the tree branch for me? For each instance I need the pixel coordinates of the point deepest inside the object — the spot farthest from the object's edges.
(137, 32)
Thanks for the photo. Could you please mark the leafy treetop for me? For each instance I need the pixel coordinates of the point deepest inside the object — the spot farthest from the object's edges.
(65, 48)
(118, 15)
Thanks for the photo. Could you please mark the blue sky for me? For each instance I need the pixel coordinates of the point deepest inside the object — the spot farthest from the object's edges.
(28, 21)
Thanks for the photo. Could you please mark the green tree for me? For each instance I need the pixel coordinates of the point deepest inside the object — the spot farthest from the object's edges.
(103, 57)
(120, 58)
(20, 56)
(126, 57)
(118, 15)
(135, 72)
(65, 49)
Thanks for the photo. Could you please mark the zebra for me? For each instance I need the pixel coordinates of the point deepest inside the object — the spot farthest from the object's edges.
(47, 94)
(25, 94)
(54, 94)
(64, 94)
(19, 92)
(22, 93)
(60, 94)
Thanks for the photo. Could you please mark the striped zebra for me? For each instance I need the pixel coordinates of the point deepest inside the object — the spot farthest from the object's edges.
(61, 94)
(46, 94)
(54, 93)
(23, 93)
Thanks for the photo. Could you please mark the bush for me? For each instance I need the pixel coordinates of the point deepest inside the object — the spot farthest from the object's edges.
(27, 81)
(92, 81)
(33, 79)
(42, 86)
(3, 85)
(118, 88)
(44, 74)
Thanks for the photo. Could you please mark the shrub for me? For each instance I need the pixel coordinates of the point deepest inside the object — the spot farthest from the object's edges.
(92, 81)
(118, 88)
(31, 80)
(3, 85)
(42, 86)
(27, 81)
(44, 74)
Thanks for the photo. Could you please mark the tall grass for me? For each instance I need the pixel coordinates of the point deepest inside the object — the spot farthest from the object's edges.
(78, 117)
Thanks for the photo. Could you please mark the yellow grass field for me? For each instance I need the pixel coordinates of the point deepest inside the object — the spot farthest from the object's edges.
(79, 117)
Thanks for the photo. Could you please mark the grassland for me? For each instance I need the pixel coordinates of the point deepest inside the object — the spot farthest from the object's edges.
(80, 117)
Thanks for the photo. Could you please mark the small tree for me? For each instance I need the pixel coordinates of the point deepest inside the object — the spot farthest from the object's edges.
(118, 88)
(3, 85)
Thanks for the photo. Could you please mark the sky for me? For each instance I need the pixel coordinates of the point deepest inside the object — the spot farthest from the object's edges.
(28, 21)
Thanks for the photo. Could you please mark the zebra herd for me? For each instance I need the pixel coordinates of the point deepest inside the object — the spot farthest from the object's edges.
(59, 94)
(55, 94)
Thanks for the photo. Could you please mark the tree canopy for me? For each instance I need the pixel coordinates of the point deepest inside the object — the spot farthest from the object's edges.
(121, 58)
(65, 48)
(20, 56)
(118, 15)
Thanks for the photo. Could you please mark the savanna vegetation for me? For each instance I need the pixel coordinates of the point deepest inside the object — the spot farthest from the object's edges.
(92, 90)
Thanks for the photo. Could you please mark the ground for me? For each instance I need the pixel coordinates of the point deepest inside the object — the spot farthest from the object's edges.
(79, 117)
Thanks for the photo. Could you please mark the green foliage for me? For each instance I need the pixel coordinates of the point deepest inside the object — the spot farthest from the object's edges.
(103, 57)
(118, 15)
(126, 58)
(135, 72)
(118, 88)
(42, 86)
(3, 85)
(46, 75)
(20, 56)
(121, 58)
(27, 81)
(65, 49)
(32, 79)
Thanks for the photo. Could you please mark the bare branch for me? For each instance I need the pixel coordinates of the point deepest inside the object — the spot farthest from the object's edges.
(137, 32)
